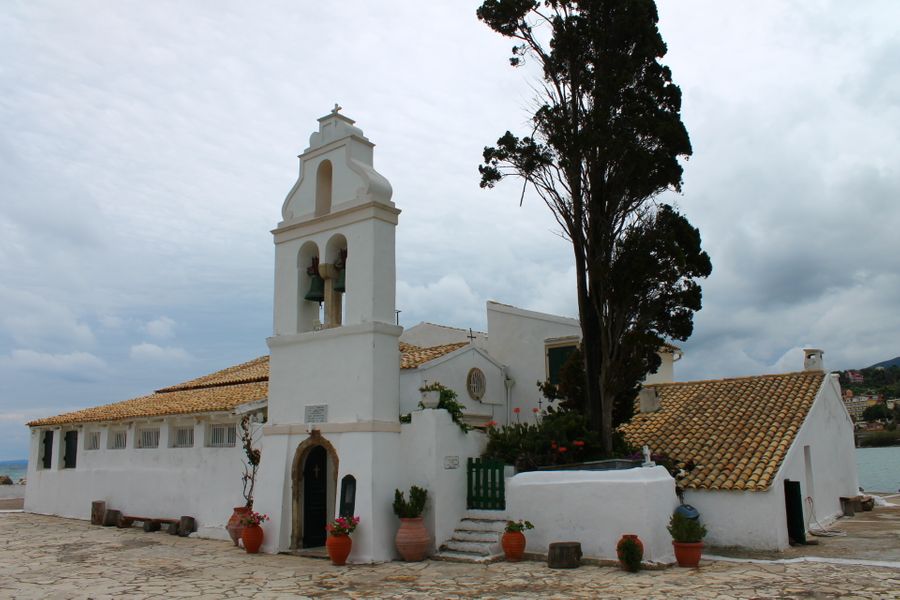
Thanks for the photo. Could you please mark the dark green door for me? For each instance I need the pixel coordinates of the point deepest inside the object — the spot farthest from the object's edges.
(315, 498)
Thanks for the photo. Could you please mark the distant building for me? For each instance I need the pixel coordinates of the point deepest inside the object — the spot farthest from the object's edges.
(855, 377)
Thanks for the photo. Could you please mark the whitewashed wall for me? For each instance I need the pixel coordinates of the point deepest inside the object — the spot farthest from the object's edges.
(201, 482)
(432, 444)
(595, 508)
(451, 371)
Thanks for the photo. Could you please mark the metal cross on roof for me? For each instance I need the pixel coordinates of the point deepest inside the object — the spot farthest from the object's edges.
(336, 108)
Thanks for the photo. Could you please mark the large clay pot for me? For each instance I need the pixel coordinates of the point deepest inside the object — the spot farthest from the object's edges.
(513, 543)
(628, 536)
(234, 526)
(413, 541)
(338, 547)
(252, 536)
(688, 553)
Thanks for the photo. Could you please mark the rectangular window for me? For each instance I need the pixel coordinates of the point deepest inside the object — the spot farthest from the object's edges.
(117, 439)
(92, 440)
(222, 436)
(47, 450)
(149, 438)
(71, 449)
(184, 437)
(556, 358)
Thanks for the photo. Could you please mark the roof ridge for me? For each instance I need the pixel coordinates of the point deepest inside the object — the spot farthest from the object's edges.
(741, 378)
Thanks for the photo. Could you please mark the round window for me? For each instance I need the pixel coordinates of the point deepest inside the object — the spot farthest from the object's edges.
(475, 383)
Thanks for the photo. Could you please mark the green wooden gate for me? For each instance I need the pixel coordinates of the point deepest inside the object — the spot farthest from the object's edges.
(485, 489)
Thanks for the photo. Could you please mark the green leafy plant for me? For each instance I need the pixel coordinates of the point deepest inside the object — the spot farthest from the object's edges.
(686, 530)
(447, 402)
(414, 507)
(518, 526)
(630, 554)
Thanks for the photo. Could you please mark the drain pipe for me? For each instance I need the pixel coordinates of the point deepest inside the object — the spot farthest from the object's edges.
(508, 382)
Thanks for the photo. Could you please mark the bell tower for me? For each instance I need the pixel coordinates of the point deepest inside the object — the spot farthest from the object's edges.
(334, 354)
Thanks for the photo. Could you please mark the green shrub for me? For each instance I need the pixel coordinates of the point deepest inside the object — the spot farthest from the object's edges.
(630, 554)
(683, 529)
(879, 438)
(416, 505)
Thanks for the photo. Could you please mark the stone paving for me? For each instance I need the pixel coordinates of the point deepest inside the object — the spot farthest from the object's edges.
(51, 557)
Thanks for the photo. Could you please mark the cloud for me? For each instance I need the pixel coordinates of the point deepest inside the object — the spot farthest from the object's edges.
(77, 364)
(161, 328)
(152, 352)
(32, 319)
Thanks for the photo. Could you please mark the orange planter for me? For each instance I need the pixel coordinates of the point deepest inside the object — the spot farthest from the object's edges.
(412, 540)
(688, 553)
(234, 527)
(338, 547)
(513, 543)
(252, 536)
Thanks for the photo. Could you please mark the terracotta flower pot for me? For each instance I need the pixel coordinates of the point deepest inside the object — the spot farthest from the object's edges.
(688, 553)
(638, 542)
(252, 536)
(234, 526)
(338, 547)
(513, 543)
(413, 541)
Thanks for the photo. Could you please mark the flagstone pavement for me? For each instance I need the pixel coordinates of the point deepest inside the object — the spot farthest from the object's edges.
(50, 557)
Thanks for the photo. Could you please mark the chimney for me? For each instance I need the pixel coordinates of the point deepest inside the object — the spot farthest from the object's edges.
(648, 400)
(812, 360)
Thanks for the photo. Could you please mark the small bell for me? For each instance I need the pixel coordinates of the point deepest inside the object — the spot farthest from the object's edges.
(316, 291)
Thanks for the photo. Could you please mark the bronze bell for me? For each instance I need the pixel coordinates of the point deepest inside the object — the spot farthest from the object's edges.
(316, 291)
(340, 284)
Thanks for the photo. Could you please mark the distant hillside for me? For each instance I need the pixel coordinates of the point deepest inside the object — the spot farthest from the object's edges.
(894, 362)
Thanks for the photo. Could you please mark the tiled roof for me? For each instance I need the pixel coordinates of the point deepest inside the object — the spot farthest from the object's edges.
(220, 391)
(736, 431)
(413, 356)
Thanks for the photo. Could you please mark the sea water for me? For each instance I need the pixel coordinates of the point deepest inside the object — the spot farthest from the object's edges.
(16, 469)
(879, 468)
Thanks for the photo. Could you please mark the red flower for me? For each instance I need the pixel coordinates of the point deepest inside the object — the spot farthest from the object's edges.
(578, 443)
(491, 424)
(562, 449)
(517, 410)
(535, 410)
(553, 444)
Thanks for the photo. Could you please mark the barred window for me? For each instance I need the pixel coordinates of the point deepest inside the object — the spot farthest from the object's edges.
(117, 439)
(149, 438)
(92, 440)
(222, 436)
(184, 437)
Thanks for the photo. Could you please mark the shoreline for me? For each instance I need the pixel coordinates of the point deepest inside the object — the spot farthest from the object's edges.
(8, 492)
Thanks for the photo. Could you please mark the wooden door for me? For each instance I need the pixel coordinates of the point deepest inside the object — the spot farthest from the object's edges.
(315, 498)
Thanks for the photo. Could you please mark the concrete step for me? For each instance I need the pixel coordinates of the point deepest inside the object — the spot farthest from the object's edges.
(464, 535)
(483, 548)
(468, 524)
(466, 557)
(488, 515)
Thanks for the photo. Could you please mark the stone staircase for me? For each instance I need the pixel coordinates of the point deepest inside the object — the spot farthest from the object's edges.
(476, 539)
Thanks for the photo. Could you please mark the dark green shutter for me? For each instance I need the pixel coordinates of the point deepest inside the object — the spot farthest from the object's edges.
(556, 358)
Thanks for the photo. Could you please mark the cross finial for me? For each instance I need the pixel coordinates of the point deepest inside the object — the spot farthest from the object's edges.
(471, 336)
(337, 107)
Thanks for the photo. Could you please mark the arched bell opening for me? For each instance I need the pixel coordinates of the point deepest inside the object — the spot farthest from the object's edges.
(323, 188)
(335, 272)
(310, 288)
(313, 487)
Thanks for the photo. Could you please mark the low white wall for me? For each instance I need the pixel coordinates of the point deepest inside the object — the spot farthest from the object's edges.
(595, 508)
(201, 482)
(753, 520)
(435, 453)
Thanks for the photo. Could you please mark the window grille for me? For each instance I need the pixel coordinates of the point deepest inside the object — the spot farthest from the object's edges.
(222, 436)
(475, 383)
(184, 437)
(117, 440)
(149, 438)
(92, 440)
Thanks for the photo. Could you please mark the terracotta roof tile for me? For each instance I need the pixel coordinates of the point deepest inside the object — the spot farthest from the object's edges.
(220, 391)
(736, 431)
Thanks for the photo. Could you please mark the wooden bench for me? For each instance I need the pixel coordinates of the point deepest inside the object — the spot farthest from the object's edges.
(150, 523)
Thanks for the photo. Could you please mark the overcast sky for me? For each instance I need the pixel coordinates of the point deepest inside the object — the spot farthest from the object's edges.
(146, 149)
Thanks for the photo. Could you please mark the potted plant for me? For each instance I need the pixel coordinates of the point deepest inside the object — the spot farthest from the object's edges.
(252, 533)
(338, 542)
(630, 551)
(513, 540)
(687, 539)
(251, 466)
(412, 540)
(431, 395)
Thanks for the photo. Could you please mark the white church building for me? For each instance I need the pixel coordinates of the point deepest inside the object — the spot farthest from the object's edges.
(327, 405)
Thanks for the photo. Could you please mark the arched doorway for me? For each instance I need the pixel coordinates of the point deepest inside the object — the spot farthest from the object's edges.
(314, 482)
